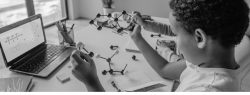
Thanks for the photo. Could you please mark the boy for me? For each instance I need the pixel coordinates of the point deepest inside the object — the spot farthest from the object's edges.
(164, 29)
(207, 32)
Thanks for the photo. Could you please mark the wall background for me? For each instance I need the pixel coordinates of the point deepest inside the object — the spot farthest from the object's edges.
(159, 8)
(89, 8)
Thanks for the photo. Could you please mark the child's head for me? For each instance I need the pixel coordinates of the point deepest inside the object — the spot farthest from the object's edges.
(201, 25)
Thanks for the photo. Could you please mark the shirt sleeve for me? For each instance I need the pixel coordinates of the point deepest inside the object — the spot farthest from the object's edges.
(158, 27)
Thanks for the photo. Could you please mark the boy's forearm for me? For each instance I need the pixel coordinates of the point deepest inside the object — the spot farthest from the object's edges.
(94, 86)
(152, 57)
(158, 27)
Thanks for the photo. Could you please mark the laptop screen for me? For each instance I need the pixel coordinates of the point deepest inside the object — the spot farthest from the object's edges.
(21, 39)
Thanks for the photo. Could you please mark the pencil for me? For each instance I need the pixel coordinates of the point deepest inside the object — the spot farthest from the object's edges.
(72, 26)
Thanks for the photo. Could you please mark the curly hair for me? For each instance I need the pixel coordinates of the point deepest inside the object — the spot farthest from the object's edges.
(223, 20)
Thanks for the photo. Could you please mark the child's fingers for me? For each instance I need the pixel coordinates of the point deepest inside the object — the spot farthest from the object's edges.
(82, 59)
(136, 31)
(82, 55)
(86, 57)
(136, 13)
(137, 28)
(132, 31)
(73, 58)
(136, 17)
(78, 60)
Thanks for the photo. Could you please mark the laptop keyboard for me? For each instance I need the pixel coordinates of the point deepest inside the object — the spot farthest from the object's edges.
(42, 60)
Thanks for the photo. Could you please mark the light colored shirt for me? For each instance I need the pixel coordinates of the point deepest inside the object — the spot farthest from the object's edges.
(198, 79)
(195, 78)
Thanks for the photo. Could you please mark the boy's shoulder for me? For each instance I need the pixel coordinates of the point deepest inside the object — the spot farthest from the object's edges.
(195, 78)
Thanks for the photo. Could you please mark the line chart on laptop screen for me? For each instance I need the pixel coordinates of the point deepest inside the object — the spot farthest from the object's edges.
(19, 40)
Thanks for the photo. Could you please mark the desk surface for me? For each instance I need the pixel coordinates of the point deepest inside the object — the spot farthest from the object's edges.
(137, 72)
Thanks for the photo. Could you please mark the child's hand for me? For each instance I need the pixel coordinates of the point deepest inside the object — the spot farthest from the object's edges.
(136, 33)
(84, 69)
(83, 66)
(137, 18)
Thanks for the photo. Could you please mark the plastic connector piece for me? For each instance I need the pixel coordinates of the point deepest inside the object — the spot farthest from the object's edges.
(116, 19)
(91, 22)
(134, 57)
(99, 28)
(98, 15)
(104, 72)
(112, 47)
(91, 54)
(124, 12)
(120, 30)
(109, 15)
(158, 35)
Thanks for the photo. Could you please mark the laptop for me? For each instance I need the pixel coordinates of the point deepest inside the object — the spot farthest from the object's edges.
(24, 48)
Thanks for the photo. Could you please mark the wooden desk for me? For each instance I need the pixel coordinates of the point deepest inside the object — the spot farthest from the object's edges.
(137, 72)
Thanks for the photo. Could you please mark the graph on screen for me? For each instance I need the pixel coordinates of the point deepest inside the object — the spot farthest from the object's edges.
(21, 39)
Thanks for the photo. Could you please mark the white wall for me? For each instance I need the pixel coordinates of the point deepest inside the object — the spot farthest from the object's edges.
(84, 8)
(158, 8)
(73, 9)
(89, 8)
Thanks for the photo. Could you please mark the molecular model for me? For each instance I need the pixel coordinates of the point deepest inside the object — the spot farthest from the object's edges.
(114, 47)
(111, 71)
(113, 22)
(156, 35)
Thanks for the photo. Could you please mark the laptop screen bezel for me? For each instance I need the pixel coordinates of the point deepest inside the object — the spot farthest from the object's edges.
(17, 24)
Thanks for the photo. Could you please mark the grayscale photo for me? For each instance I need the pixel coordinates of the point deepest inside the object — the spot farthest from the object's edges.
(124, 46)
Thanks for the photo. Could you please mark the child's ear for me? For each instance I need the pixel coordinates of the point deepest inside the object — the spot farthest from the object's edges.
(201, 38)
